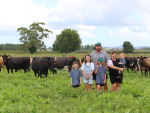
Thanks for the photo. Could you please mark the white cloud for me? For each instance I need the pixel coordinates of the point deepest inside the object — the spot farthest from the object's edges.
(56, 19)
(83, 33)
(124, 32)
(17, 13)
(85, 27)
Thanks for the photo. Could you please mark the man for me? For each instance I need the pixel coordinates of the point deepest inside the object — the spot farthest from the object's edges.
(95, 55)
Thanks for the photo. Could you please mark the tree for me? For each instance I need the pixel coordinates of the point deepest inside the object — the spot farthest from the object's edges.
(1, 47)
(67, 41)
(127, 47)
(32, 37)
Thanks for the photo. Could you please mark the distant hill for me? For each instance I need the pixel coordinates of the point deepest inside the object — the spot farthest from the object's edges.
(136, 47)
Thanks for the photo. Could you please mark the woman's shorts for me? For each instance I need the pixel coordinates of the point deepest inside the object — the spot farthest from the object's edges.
(115, 80)
(88, 81)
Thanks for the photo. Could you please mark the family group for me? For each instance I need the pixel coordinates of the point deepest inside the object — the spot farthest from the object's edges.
(95, 68)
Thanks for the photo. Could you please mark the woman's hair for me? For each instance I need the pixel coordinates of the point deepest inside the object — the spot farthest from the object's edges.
(114, 52)
(85, 58)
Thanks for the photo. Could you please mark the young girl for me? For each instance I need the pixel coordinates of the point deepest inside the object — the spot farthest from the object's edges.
(100, 71)
(87, 70)
(75, 75)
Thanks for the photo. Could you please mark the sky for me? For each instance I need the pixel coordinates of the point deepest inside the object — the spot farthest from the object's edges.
(110, 22)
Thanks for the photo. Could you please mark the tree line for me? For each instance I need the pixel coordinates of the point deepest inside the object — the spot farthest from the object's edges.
(7, 46)
(68, 40)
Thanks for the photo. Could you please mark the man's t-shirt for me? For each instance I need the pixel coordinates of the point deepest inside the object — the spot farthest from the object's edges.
(94, 56)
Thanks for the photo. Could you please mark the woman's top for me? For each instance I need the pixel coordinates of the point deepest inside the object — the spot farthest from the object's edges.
(113, 72)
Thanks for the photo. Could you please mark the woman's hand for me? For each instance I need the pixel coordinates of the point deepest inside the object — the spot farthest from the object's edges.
(80, 83)
(71, 83)
(121, 69)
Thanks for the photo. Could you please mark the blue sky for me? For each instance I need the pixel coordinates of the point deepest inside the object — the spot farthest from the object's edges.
(109, 22)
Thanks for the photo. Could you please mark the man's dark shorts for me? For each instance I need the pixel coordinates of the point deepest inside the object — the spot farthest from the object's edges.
(94, 76)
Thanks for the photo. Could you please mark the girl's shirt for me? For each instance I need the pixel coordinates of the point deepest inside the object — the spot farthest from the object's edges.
(92, 66)
(100, 76)
(75, 74)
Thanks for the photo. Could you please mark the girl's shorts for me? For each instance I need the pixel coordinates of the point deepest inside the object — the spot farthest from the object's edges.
(100, 84)
(75, 86)
(88, 81)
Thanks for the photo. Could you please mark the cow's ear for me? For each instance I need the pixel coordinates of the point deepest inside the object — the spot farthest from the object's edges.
(144, 57)
(54, 63)
(47, 63)
(7, 56)
(137, 57)
(1, 56)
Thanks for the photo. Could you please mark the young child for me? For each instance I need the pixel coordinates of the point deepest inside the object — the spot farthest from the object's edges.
(100, 71)
(87, 70)
(122, 63)
(75, 75)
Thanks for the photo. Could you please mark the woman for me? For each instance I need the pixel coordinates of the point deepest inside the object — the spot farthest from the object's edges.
(114, 66)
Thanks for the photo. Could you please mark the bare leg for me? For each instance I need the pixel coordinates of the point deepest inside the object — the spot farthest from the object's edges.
(117, 87)
(98, 88)
(95, 84)
(85, 87)
(113, 87)
(90, 87)
(106, 86)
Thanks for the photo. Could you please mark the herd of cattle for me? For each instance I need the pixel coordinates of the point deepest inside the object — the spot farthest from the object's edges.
(41, 65)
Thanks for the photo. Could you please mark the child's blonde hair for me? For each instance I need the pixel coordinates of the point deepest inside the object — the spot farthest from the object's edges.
(122, 54)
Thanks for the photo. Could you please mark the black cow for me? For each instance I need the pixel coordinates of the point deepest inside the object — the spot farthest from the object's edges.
(65, 61)
(16, 63)
(130, 63)
(41, 65)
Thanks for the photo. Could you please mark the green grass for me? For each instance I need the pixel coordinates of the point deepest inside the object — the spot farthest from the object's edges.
(25, 93)
(78, 54)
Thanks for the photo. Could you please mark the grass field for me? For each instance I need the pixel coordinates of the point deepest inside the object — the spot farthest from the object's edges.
(78, 54)
(25, 93)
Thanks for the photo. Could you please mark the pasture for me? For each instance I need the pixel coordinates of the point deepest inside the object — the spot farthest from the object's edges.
(78, 54)
(25, 93)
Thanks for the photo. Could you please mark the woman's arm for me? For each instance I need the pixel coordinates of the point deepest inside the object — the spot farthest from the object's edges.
(116, 68)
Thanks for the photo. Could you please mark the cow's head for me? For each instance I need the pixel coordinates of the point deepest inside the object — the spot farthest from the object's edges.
(5, 58)
(82, 60)
(51, 64)
(141, 59)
